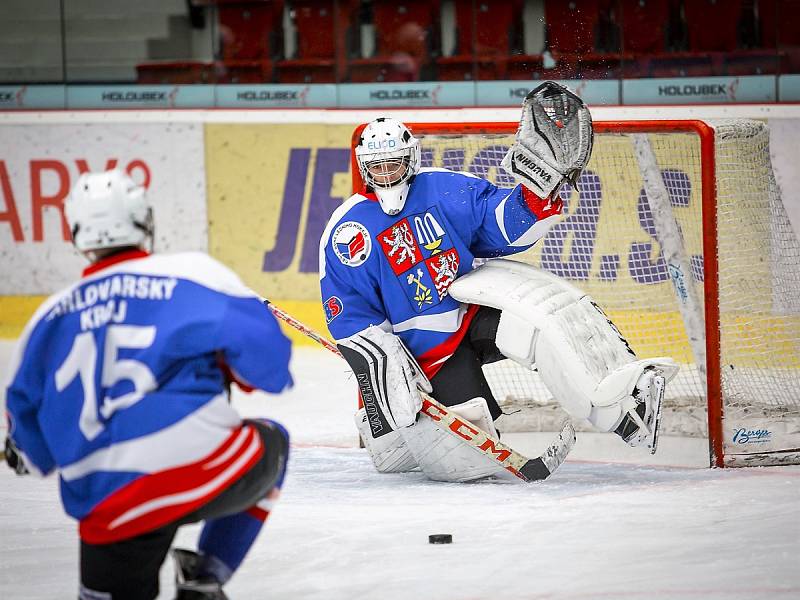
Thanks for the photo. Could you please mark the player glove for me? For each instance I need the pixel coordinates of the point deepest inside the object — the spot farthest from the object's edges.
(14, 459)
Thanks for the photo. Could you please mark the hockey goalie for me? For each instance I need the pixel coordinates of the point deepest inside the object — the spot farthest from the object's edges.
(410, 313)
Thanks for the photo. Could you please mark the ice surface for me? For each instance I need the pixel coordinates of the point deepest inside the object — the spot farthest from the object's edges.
(660, 527)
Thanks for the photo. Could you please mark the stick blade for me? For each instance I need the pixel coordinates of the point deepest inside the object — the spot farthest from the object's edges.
(545, 465)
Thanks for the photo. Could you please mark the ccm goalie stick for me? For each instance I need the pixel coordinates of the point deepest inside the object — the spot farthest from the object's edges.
(521, 467)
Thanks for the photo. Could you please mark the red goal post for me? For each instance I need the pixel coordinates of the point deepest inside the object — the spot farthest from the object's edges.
(678, 231)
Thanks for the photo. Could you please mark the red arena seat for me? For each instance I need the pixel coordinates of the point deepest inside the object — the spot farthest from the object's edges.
(643, 25)
(779, 30)
(572, 25)
(487, 47)
(244, 71)
(712, 24)
(406, 35)
(175, 72)
(250, 30)
(321, 41)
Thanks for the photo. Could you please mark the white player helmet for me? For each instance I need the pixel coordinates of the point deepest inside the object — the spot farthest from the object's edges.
(388, 157)
(108, 210)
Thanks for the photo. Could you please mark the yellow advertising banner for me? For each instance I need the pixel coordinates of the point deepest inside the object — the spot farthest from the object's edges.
(271, 189)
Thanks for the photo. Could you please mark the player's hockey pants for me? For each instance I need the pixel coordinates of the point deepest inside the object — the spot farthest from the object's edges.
(461, 378)
(128, 569)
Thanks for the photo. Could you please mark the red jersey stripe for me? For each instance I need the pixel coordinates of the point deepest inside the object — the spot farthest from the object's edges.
(154, 500)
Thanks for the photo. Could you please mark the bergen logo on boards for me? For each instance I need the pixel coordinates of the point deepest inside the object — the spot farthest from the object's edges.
(751, 436)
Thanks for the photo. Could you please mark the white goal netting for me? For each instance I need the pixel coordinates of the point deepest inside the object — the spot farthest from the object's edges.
(609, 246)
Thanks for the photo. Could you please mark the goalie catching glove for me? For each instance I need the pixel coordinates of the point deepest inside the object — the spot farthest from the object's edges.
(388, 376)
(554, 140)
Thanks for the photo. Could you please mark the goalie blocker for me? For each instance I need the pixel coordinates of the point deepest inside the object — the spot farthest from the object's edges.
(388, 376)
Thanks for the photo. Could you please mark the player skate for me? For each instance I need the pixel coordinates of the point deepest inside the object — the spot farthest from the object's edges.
(188, 584)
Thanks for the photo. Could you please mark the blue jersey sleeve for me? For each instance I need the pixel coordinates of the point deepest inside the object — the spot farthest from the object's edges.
(348, 305)
(24, 397)
(506, 221)
(254, 346)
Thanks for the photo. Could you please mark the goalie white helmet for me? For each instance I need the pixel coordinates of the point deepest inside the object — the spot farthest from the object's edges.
(108, 210)
(388, 157)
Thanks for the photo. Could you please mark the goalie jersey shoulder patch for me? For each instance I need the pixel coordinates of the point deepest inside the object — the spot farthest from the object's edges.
(352, 243)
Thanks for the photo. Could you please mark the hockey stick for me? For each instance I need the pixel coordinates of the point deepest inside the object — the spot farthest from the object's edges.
(522, 467)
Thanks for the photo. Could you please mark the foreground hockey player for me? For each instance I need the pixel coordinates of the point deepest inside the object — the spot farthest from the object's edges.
(120, 383)
(410, 313)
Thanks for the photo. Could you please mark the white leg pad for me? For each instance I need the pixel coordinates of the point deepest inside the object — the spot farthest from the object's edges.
(580, 355)
(443, 456)
(476, 411)
(389, 452)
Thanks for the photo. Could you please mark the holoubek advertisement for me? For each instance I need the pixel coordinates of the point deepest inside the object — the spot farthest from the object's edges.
(37, 170)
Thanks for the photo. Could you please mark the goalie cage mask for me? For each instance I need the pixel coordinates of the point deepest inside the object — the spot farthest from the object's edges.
(388, 158)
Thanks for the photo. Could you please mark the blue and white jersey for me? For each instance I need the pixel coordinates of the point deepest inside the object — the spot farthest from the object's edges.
(394, 271)
(117, 382)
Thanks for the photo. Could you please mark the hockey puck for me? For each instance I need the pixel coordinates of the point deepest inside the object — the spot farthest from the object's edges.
(440, 538)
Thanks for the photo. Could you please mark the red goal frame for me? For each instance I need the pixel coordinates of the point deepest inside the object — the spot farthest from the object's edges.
(709, 228)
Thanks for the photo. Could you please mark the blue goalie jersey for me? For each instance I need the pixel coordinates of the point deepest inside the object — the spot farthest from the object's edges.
(394, 271)
(118, 382)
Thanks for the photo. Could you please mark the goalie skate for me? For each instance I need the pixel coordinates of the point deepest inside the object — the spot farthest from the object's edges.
(640, 425)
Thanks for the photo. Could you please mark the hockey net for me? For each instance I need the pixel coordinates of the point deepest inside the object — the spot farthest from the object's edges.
(699, 263)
